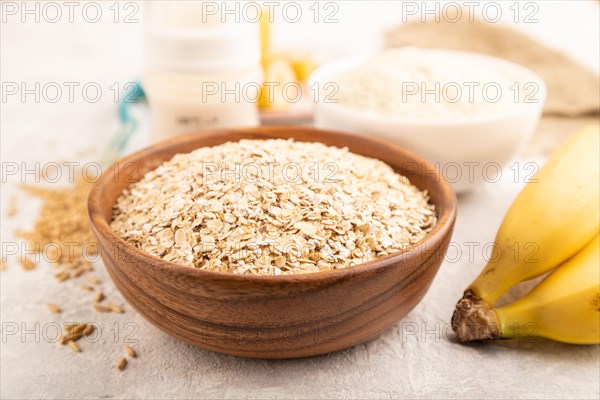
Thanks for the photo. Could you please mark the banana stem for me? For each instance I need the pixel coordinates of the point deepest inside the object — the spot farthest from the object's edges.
(473, 319)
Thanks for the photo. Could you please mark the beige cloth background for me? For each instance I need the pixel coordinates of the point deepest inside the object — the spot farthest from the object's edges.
(573, 90)
(414, 359)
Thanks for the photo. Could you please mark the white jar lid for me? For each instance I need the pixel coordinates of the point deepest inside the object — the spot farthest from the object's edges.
(183, 43)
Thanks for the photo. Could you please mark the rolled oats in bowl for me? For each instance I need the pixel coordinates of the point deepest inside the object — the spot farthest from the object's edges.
(272, 207)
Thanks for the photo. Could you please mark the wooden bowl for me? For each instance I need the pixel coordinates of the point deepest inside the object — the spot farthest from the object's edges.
(273, 316)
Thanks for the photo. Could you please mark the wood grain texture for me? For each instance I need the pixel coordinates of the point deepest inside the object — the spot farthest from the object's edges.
(273, 316)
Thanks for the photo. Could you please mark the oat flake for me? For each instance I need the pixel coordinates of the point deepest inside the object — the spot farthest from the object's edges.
(272, 207)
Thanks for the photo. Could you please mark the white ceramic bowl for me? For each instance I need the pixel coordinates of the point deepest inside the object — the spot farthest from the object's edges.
(467, 150)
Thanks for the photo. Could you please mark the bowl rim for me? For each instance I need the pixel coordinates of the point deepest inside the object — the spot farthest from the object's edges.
(328, 70)
(101, 227)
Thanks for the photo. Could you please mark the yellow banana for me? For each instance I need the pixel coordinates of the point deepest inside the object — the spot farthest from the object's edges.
(556, 215)
(278, 74)
(564, 307)
(552, 218)
(264, 26)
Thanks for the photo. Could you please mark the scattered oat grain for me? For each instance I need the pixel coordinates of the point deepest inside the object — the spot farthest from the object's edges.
(73, 264)
(93, 279)
(99, 297)
(101, 308)
(73, 336)
(87, 287)
(62, 276)
(54, 308)
(28, 264)
(115, 308)
(77, 272)
(89, 329)
(74, 332)
(74, 346)
(62, 222)
(86, 265)
(75, 328)
(121, 364)
(130, 352)
(11, 210)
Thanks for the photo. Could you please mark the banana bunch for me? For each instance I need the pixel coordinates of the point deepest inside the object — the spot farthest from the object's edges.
(280, 70)
(556, 219)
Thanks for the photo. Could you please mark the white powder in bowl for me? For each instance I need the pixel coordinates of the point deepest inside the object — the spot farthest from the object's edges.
(414, 83)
